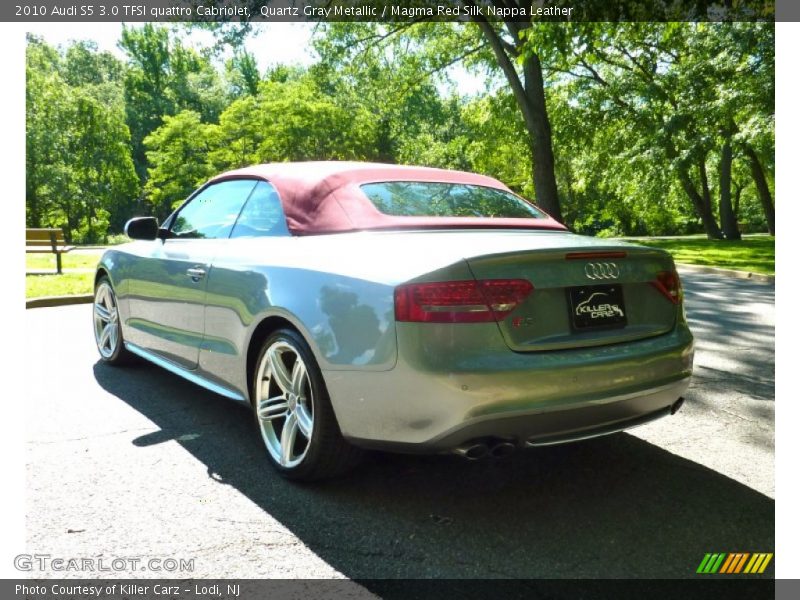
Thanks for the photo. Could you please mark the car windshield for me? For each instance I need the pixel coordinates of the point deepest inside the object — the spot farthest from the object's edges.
(431, 199)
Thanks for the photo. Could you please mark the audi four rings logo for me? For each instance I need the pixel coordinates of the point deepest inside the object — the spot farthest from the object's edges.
(604, 270)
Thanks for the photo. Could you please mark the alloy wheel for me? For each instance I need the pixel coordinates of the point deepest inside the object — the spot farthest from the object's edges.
(106, 320)
(285, 404)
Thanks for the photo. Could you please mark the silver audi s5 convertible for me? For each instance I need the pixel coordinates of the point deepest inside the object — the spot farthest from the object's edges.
(410, 309)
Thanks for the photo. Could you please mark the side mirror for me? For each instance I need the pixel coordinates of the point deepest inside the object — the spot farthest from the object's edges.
(142, 228)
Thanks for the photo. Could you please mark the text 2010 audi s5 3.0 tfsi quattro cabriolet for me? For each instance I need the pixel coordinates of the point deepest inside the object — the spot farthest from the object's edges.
(357, 305)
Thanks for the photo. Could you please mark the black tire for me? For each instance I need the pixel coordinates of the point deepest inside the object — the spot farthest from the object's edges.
(119, 355)
(325, 453)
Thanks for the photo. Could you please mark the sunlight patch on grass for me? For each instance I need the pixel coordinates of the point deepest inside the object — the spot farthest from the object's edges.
(70, 260)
(67, 284)
(752, 254)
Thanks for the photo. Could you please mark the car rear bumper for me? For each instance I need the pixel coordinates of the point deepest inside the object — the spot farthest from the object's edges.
(434, 401)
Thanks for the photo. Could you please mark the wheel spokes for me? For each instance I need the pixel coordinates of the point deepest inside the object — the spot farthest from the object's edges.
(273, 408)
(288, 436)
(113, 336)
(106, 320)
(298, 378)
(110, 303)
(102, 312)
(284, 404)
(105, 336)
(278, 371)
(305, 421)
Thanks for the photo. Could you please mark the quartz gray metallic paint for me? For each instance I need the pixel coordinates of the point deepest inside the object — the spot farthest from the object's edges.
(193, 305)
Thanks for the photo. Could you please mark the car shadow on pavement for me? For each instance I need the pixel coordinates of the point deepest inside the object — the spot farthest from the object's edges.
(611, 507)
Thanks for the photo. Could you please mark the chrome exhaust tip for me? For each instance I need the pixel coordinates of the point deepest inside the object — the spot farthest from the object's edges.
(472, 451)
(502, 450)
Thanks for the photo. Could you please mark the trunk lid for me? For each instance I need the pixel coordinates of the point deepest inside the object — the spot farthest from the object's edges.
(584, 294)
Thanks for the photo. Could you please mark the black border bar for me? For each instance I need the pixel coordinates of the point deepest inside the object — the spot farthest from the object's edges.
(276, 11)
(699, 588)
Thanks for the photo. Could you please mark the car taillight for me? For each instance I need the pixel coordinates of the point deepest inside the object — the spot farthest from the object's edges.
(669, 284)
(459, 301)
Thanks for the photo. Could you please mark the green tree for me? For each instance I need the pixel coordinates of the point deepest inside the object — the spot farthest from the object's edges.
(84, 65)
(286, 120)
(161, 79)
(494, 45)
(45, 101)
(291, 120)
(79, 171)
(673, 91)
(242, 74)
(178, 155)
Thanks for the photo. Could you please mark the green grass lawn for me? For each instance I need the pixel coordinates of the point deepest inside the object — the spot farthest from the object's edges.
(67, 284)
(754, 254)
(71, 260)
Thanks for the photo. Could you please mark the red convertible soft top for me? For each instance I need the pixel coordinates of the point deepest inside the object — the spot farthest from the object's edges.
(325, 197)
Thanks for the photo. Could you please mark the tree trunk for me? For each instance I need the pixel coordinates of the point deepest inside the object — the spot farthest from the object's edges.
(701, 207)
(737, 197)
(701, 204)
(727, 216)
(572, 200)
(71, 226)
(763, 189)
(531, 102)
(707, 210)
(541, 141)
(33, 214)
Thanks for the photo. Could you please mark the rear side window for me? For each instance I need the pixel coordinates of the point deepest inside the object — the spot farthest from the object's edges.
(262, 215)
(430, 199)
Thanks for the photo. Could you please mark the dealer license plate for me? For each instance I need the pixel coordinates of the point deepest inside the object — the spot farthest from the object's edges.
(597, 306)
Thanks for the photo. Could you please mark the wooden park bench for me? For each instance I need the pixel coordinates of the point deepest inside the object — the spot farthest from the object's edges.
(47, 240)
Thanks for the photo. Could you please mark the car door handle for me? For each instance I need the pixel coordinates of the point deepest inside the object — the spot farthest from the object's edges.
(196, 273)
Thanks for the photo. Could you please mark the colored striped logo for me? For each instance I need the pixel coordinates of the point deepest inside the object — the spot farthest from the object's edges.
(736, 562)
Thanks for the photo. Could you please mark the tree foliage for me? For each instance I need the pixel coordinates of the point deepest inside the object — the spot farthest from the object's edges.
(652, 128)
(288, 120)
(78, 163)
(664, 97)
(162, 78)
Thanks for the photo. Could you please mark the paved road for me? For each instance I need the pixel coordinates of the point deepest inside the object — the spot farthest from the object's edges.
(136, 462)
(728, 422)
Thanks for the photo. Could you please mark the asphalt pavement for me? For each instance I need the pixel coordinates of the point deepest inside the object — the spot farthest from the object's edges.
(728, 421)
(136, 462)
